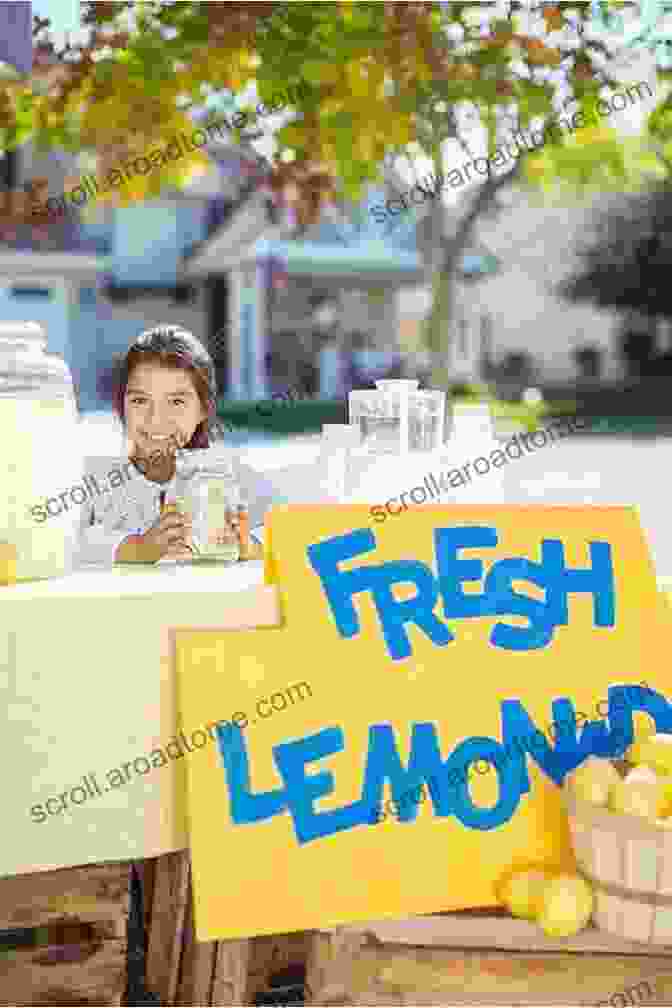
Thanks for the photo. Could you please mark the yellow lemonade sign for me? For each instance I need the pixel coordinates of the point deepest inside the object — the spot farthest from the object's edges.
(432, 645)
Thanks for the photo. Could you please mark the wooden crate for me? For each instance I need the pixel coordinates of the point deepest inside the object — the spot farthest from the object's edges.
(183, 971)
(69, 943)
(481, 958)
(274, 954)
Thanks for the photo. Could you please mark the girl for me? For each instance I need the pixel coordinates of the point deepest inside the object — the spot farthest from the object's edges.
(164, 395)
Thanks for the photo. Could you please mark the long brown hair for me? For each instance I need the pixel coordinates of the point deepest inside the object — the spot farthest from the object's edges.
(171, 346)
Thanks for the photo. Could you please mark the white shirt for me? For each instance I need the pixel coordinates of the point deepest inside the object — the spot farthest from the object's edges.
(122, 502)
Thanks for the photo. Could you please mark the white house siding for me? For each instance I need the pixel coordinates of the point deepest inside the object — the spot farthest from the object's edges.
(537, 248)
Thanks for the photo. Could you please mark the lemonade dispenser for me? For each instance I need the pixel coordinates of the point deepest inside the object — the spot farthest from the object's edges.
(41, 459)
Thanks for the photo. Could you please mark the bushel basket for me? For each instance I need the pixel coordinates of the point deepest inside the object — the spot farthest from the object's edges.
(629, 863)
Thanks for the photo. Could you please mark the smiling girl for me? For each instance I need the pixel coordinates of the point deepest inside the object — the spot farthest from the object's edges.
(165, 396)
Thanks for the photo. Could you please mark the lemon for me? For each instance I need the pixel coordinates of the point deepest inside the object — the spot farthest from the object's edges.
(8, 563)
(521, 892)
(655, 751)
(593, 781)
(565, 906)
(642, 793)
(642, 773)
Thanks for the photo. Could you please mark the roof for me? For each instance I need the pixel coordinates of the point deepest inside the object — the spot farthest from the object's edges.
(345, 252)
(322, 259)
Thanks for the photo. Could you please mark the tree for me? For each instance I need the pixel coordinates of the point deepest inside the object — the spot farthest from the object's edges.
(627, 262)
(366, 81)
(626, 268)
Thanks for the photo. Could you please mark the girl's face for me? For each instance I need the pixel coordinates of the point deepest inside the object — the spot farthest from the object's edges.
(162, 409)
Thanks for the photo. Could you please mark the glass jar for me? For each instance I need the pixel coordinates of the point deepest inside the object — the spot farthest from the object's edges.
(208, 491)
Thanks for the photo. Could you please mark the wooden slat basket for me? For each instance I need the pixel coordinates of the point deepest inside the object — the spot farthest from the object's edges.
(629, 863)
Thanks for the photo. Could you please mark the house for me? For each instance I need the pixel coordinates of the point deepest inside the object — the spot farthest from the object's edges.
(96, 280)
(510, 320)
(214, 258)
(537, 247)
(277, 286)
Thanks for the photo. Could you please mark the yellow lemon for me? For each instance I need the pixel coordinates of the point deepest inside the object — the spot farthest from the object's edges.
(641, 793)
(655, 751)
(8, 563)
(593, 780)
(642, 773)
(565, 906)
(521, 892)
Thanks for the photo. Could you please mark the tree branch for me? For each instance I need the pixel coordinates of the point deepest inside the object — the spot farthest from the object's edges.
(452, 247)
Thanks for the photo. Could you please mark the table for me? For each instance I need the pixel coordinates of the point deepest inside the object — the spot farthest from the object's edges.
(87, 681)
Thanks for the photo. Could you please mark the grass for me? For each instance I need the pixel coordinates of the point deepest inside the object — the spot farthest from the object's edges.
(308, 416)
(529, 415)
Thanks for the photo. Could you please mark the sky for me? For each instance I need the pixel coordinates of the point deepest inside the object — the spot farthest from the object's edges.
(64, 16)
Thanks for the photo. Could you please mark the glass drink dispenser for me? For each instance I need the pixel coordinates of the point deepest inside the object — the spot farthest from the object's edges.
(41, 463)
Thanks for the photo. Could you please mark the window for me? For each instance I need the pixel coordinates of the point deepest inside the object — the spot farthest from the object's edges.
(31, 293)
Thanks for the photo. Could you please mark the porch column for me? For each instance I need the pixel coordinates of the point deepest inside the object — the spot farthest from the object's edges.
(236, 351)
(258, 347)
(249, 338)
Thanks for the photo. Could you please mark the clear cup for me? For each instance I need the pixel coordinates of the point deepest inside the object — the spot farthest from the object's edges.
(426, 419)
(339, 443)
(398, 417)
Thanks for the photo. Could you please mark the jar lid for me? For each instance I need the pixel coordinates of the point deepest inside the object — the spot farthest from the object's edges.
(21, 336)
(393, 386)
(25, 367)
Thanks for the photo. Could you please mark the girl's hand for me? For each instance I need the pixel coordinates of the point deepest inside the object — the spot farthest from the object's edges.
(170, 534)
(226, 535)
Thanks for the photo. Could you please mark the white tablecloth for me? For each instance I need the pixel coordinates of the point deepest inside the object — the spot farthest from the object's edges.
(87, 683)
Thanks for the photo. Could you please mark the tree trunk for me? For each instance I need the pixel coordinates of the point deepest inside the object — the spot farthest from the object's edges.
(440, 323)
